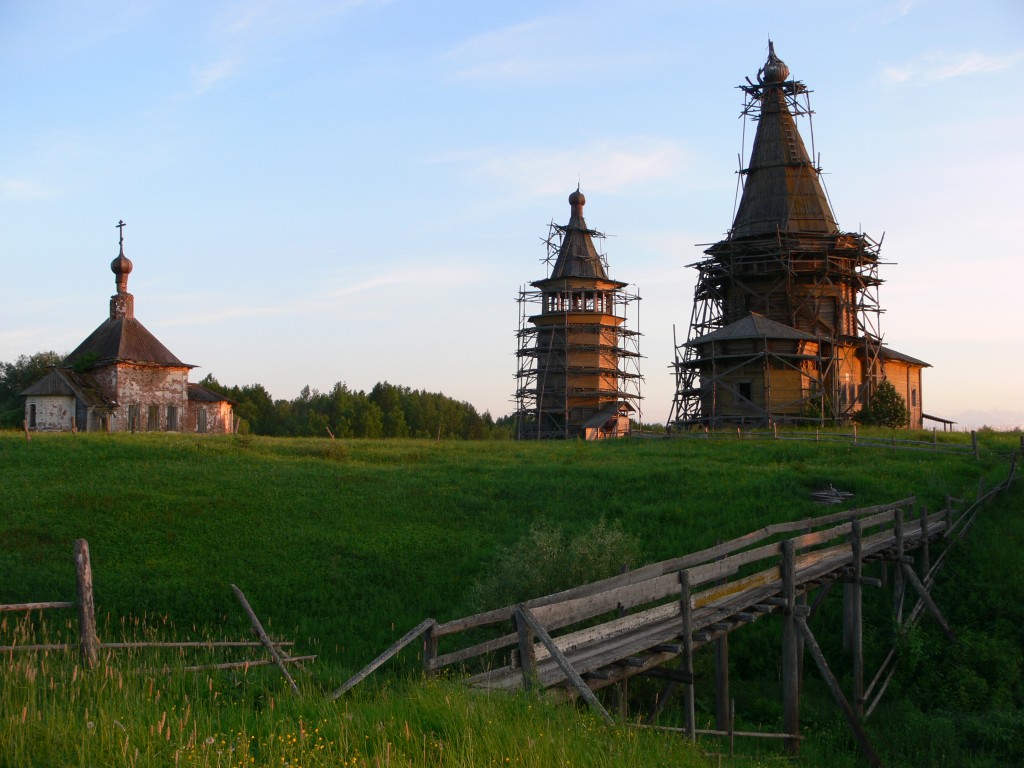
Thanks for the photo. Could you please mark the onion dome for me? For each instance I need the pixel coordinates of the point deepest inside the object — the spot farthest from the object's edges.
(775, 69)
(122, 265)
(577, 199)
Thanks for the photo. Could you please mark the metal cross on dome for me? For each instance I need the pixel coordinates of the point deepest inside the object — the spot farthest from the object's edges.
(120, 228)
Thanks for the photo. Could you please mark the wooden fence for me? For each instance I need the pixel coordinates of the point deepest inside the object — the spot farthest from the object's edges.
(89, 645)
(854, 437)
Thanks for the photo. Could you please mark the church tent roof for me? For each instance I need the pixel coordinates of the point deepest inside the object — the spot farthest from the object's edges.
(123, 339)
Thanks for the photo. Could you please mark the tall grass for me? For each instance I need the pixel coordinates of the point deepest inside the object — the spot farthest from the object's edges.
(344, 545)
(54, 713)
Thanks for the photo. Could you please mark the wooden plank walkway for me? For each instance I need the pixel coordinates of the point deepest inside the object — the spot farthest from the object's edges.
(730, 585)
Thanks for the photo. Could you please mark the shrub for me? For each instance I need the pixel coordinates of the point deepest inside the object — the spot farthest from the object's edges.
(548, 561)
(887, 409)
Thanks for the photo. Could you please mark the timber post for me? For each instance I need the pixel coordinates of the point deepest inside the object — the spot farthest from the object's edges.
(856, 622)
(974, 442)
(926, 560)
(527, 650)
(89, 644)
(722, 718)
(722, 698)
(686, 609)
(264, 638)
(897, 576)
(429, 650)
(790, 652)
(28, 435)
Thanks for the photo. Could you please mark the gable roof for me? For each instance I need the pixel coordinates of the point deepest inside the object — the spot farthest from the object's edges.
(63, 382)
(123, 339)
(782, 190)
(753, 326)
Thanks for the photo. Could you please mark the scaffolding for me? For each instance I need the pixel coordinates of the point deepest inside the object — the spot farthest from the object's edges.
(577, 356)
(822, 284)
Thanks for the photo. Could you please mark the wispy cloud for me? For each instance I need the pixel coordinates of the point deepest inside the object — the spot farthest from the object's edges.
(897, 10)
(605, 165)
(445, 276)
(247, 29)
(936, 66)
(25, 189)
(205, 78)
(532, 51)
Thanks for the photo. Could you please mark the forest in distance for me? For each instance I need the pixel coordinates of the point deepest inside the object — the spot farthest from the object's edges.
(387, 410)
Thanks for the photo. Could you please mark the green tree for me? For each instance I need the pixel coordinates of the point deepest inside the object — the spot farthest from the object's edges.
(887, 408)
(18, 376)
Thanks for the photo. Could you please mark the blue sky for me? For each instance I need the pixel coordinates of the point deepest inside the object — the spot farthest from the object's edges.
(321, 191)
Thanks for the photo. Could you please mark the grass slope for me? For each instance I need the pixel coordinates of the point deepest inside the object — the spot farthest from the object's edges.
(343, 545)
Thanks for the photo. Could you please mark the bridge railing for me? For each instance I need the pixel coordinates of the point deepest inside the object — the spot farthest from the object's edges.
(653, 592)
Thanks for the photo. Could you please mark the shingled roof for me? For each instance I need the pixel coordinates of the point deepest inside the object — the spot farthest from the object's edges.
(67, 383)
(782, 190)
(753, 326)
(122, 340)
(577, 256)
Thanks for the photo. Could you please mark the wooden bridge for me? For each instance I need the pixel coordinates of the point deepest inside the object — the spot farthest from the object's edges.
(650, 621)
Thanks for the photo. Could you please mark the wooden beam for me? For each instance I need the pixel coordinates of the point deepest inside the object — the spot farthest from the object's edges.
(577, 682)
(398, 645)
(11, 607)
(837, 693)
(915, 582)
(264, 638)
(790, 650)
(89, 643)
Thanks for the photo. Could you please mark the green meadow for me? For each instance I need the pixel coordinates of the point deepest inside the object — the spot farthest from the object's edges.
(343, 545)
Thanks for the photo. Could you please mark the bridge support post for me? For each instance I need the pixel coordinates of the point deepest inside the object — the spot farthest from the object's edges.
(687, 612)
(722, 683)
(790, 651)
(897, 576)
(856, 621)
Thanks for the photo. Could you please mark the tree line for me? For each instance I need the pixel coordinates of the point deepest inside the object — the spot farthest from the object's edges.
(387, 410)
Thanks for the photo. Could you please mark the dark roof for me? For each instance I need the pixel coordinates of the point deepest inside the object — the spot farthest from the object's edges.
(753, 326)
(577, 257)
(64, 382)
(892, 354)
(781, 190)
(201, 394)
(123, 339)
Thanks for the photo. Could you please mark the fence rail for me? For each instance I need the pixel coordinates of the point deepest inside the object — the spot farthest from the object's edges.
(935, 445)
(89, 645)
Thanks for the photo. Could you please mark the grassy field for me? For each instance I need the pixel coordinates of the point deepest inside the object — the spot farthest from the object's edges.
(342, 546)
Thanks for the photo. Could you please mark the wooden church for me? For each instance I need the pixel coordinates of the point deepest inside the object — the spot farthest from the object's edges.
(121, 378)
(578, 371)
(785, 323)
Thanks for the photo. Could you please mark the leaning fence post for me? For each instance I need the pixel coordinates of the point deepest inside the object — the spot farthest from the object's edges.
(974, 442)
(88, 642)
(264, 638)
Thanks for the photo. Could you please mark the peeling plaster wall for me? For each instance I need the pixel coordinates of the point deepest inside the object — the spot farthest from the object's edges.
(53, 412)
(146, 385)
(219, 417)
